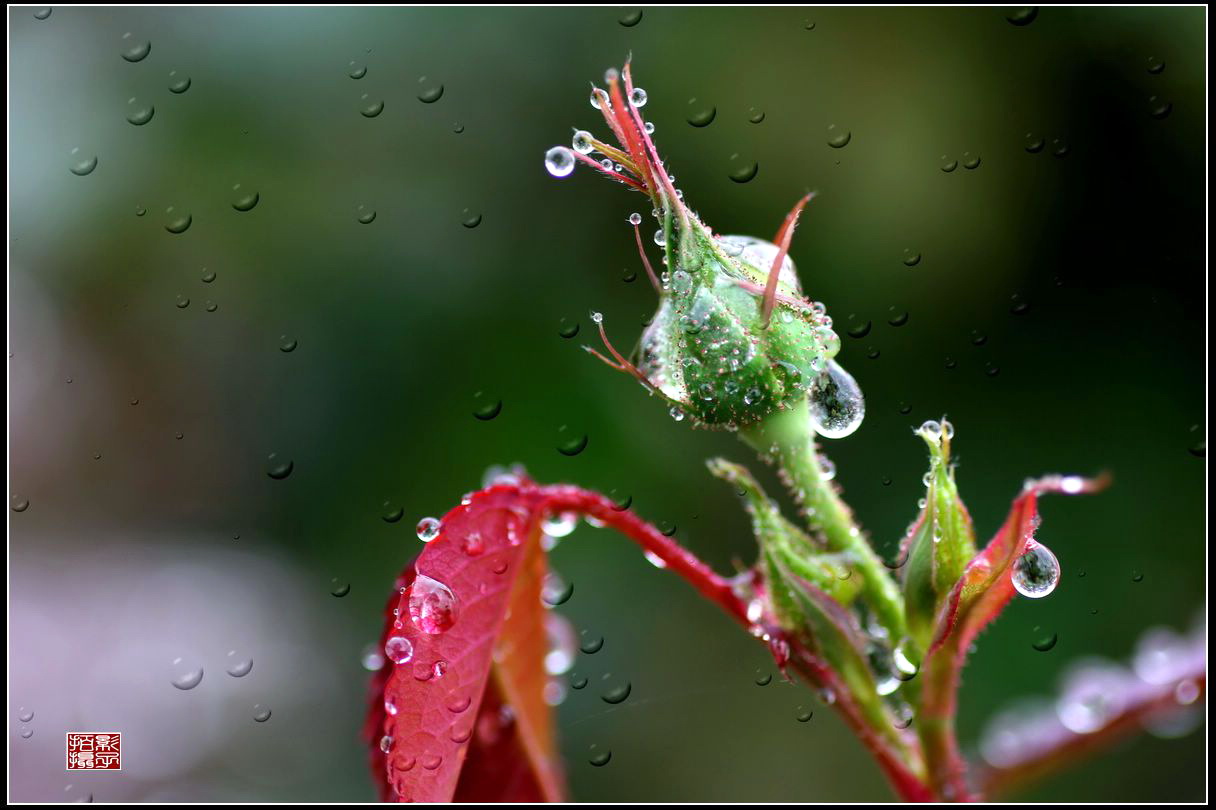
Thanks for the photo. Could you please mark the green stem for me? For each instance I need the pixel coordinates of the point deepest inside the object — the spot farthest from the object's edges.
(786, 438)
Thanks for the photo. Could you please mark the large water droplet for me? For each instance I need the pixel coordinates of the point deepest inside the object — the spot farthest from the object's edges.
(398, 649)
(428, 529)
(1037, 572)
(244, 199)
(185, 675)
(559, 161)
(178, 84)
(836, 401)
(630, 19)
(430, 92)
(838, 137)
(139, 112)
(261, 713)
(238, 665)
(135, 50)
(82, 164)
(279, 467)
(432, 605)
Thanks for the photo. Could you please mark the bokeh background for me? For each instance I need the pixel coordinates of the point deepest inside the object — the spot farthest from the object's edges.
(1056, 315)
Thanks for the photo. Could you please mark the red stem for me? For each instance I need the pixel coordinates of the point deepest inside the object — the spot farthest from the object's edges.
(721, 591)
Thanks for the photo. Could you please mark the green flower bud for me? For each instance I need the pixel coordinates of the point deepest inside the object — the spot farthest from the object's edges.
(733, 339)
(939, 544)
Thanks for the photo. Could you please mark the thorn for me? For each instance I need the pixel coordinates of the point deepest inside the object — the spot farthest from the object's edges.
(784, 236)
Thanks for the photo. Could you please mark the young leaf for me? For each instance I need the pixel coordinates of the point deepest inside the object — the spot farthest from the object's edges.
(981, 593)
(456, 659)
(939, 544)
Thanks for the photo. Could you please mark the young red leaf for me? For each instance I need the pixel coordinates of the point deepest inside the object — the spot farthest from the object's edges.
(980, 594)
(458, 710)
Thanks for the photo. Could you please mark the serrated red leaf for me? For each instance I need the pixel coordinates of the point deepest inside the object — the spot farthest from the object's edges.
(470, 695)
(979, 596)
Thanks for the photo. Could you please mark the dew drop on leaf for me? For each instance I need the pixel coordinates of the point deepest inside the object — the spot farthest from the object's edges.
(399, 649)
(432, 605)
(1037, 572)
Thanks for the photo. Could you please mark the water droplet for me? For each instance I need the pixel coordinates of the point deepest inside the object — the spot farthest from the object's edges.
(630, 19)
(970, 161)
(245, 200)
(210, 306)
(25, 715)
(573, 444)
(1037, 572)
(486, 407)
(1044, 641)
(1159, 108)
(432, 605)
(1059, 148)
(261, 713)
(338, 588)
(178, 84)
(470, 219)
(1155, 65)
(911, 257)
(1137, 576)
(897, 319)
(554, 592)
(567, 329)
(26, 733)
(82, 165)
(139, 112)
(428, 529)
(19, 504)
(177, 222)
(185, 675)
(617, 694)
(1023, 16)
(356, 70)
(399, 649)
(861, 330)
(600, 758)
(238, 665)
(838, 138)
(763, 678)
(948, 164)
(458, 128)
(430, 92)
(559, 161)
(638, 97)
(1034, 143)
(208, 276)
(42, 13)
(287, 344)
(371, 108)
(836, 402)
(745, 173)
(701, 116)
(755, 116)
(804, 715)
(279, 467)
(135, 50)
(591, 645)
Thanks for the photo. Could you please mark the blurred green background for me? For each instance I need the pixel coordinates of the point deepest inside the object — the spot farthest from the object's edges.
(1056, 315)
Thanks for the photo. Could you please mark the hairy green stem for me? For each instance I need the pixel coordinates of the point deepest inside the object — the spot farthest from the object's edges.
(786, 438)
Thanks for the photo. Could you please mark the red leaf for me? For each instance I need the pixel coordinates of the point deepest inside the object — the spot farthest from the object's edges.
(979, 596)
(439, 707)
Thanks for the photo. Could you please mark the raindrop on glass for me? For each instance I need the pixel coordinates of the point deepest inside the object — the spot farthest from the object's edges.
(135, 50)
(244, 200)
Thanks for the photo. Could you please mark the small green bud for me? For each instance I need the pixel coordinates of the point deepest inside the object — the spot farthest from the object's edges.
(789, 558)
(940, 543)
